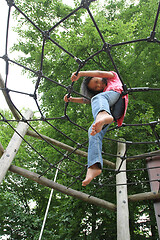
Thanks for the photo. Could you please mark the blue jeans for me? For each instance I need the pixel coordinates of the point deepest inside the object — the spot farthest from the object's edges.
(100, 102)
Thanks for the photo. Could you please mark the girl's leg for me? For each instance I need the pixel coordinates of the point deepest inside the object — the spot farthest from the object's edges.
(100, 103)
(95, 161)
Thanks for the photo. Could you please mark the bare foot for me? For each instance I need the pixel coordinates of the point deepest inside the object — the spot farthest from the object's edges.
(101, 119)
(92, 172)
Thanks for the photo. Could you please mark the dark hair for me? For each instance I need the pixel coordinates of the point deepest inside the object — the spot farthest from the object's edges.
(88, 92)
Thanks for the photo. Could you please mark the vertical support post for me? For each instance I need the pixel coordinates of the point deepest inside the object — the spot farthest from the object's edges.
(153, 165)
(123, 231)
(13, 146)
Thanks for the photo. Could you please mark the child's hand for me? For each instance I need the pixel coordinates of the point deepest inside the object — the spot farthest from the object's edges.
(75, 77)
(66, 99)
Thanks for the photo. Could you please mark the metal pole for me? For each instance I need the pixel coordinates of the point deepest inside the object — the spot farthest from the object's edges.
(48, 205)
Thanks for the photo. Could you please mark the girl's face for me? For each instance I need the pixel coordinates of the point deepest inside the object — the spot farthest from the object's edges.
(96, 84)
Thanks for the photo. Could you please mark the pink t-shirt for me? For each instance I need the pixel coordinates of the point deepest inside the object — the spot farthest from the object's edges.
(115, 84)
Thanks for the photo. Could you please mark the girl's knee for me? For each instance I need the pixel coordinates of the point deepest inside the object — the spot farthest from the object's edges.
(97, 96)
(93, 98)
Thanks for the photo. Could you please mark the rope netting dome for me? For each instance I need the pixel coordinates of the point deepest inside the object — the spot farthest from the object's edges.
(67, 138)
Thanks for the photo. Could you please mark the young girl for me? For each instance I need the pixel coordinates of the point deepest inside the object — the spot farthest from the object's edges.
(104, 89)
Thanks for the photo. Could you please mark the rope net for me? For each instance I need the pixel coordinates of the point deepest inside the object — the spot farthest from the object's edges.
(64, 139)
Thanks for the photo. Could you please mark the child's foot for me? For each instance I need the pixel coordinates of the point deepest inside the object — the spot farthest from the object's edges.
(92, 172)
(101, 119)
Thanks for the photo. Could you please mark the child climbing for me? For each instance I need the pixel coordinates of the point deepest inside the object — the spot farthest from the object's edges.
(104, 88)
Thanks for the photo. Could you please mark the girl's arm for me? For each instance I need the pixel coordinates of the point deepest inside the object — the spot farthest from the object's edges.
(76, 99)
(96, 73)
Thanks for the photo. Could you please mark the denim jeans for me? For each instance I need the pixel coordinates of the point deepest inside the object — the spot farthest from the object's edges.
(100, 102)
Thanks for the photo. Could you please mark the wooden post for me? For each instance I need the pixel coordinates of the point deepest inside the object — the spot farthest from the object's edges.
(123, 232)
(153, 165)
(13, 146)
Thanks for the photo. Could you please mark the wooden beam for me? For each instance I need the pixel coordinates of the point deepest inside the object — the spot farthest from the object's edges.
(144, 196)
(67, 147)
(59, 187)
(123, 231)
(13, 146)
(143, 156)
(8, 100)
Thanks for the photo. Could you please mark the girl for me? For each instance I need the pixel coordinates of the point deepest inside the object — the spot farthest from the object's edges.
(104, 89)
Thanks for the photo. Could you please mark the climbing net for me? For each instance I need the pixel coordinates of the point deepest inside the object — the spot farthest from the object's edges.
(65, 152)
